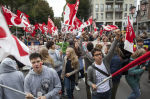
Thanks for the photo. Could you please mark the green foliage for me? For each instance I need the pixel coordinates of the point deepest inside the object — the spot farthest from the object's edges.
(57, 22)
(84, 10)
(71, 1)
(38, 10)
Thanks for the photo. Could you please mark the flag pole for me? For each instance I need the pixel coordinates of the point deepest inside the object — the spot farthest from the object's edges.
(14, 90)
(134, 63)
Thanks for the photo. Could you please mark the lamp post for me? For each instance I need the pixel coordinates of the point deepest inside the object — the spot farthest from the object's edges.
(140, 12)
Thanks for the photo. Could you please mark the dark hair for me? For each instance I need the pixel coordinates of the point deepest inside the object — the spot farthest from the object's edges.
(20, 65)
(49, 44)
(96, 49)
(34, 56)
(140, 40)
(89, 46)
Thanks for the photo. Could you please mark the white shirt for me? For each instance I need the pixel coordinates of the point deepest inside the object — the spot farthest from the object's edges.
(100, 77)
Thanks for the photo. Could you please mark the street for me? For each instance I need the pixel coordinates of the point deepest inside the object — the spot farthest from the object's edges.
(123, 90)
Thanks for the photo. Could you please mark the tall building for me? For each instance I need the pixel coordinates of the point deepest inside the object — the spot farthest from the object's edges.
(111, 12)
(144, 18)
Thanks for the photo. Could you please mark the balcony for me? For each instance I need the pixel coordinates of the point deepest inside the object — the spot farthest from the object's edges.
(109, 1)
(119, 1)
(109, 18)
(118, 9)
(109, 9)
(118, 18)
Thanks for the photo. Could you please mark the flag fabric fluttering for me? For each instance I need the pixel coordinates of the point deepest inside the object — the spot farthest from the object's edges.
(130, 35)
(86, 24)
(23, 16)
(70, 14)
(51, 27)
(109, 27)
(101, 32)
(94, 25)
(43, 28)
(11, 45)
(13, 19)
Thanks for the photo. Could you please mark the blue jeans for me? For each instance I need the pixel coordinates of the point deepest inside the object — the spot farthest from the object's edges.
(135, 94)
(69, 85)
(105, 95)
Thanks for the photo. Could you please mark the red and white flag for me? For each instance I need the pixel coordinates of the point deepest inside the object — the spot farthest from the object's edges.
(94, 25)
(109, 27)
(87, 23)
(77, 23)
(23, 16)
(51, 26)
(13, 19)
(43, 28)
(11, 45)
(101, 32)
(130, 35)
(70, 14)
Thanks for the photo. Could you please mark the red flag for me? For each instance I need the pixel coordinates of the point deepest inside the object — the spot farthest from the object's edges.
(101, 32)
(13, 19)
(23, 16)
(109, 27)
(44, 29)
(70, 14)
(136, 62)
(51, 26)
(11, 45)
(87, 23)
(130, 35)
(94, 25)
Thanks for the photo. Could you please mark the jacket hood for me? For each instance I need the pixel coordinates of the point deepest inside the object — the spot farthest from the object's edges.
(8, 65)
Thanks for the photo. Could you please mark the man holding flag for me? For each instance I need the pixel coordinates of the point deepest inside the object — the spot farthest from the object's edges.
(95, 75)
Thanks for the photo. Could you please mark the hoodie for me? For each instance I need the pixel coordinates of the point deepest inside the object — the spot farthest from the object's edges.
(9, 76)
(56, 58)
(45, 84)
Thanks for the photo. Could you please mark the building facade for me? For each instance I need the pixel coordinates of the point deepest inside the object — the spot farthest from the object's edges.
(144, 19)
(111, 12)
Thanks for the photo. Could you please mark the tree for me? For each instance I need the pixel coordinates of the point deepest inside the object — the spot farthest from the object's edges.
(84, 10)
(32, 8)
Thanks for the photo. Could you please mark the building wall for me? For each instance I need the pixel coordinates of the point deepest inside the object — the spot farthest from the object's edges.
(111, 11)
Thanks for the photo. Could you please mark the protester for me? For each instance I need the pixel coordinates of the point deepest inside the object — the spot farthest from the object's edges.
(41, 81)
(56, 56)
(11, 77)
(94, 76)
(115, 65)
(47, 60)
(134, 75)
(70, 71)
(88, 59)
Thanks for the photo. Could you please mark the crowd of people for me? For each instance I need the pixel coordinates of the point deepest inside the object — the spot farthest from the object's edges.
(60, 62)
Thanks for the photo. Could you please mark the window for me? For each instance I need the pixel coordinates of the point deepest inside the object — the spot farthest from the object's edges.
(101, 15)
(96, 8)
(97, 16)
(130, 6)
(126, 7)
(109, 15)
(102, 7)
(109, 6)
(125, 15)
(118, 16)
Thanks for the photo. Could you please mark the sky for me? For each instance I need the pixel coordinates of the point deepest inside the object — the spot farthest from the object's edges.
(57, 6)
